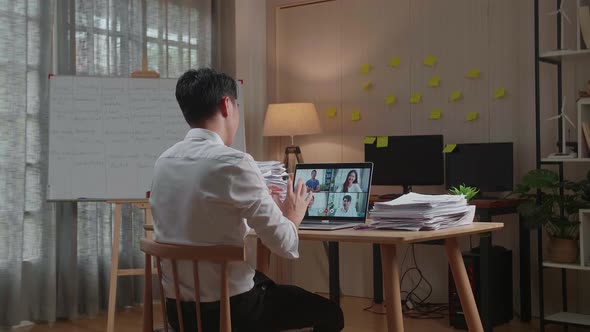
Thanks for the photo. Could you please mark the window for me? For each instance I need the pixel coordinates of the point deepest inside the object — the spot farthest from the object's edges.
(109, 36)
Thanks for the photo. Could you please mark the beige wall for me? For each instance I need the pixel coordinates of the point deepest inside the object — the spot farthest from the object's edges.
(496, 36)
(251, 67)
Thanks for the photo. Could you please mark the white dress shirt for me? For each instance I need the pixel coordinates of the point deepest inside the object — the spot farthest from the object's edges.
(205, 193)
(354, 188)
(350, 213)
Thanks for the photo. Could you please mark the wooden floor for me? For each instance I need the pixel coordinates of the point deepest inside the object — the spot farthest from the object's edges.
(357, 320)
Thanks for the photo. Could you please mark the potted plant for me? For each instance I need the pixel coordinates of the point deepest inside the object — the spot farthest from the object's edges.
(468, 192)
(556, 212)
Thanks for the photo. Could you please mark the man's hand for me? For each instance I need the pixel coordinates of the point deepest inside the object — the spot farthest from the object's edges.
(274, 191)
(296, 202)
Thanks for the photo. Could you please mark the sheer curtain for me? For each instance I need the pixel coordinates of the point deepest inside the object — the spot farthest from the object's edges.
(55, 257)
(27, 225)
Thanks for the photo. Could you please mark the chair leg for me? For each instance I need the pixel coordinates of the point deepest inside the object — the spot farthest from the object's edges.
(148, 309)
(224, 305)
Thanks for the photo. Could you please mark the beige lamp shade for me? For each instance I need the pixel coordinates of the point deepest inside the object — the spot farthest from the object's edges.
(291, 119)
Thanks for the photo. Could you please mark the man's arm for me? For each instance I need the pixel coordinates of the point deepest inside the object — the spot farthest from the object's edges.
(317, 188)
(249, 193)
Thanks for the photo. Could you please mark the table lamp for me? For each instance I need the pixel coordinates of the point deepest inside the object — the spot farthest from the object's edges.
(291, 119)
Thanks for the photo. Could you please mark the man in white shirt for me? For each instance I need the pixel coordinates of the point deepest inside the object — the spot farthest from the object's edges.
(346, 210)
(206, 193)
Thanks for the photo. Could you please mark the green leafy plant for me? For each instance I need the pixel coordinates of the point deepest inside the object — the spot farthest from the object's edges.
(468, 192)
(544, 205)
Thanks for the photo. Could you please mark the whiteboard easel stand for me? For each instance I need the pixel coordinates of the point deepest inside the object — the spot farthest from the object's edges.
(142, 204)
(115, 271)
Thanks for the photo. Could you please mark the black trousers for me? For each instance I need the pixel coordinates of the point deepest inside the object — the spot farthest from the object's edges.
(266, 307)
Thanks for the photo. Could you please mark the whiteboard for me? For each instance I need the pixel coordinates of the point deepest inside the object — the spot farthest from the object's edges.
(105, 134)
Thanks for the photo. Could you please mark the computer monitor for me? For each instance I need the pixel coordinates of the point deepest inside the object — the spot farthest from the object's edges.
(487, 166)
(407, 161)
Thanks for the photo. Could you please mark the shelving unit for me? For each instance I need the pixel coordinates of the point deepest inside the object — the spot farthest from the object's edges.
(563, 55)
(584, 250)
(569, 318)
(556, 58)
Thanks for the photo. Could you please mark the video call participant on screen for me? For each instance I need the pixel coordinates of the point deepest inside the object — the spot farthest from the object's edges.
(346, 210)
(204, 193)
(313, 184)
(311, 212)
(351, 184)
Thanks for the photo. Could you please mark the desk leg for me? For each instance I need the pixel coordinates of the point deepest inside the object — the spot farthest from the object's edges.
(377, 275)
(525, 270)
(334, 271)
(393, 301)
(463, 285)
(114, 269)
(485, 244)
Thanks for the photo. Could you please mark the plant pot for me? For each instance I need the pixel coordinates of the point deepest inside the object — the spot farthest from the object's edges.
(562, 250)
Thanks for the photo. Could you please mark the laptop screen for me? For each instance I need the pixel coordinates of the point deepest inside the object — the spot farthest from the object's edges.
(340, 190)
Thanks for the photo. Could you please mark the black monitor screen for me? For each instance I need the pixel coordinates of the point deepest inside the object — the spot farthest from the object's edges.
(408, 160)
(487, 166)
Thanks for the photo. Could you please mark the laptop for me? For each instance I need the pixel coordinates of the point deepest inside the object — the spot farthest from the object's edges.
(340, 194)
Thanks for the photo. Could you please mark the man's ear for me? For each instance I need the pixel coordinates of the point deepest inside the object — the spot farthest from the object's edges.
(224, 106)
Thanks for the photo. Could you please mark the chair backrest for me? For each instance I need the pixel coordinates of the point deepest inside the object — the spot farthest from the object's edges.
(217, 254)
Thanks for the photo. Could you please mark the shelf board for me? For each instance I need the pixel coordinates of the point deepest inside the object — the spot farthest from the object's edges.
(567, 266)
(564, 160)
(569, 318)
(584, 101)
(561, 54)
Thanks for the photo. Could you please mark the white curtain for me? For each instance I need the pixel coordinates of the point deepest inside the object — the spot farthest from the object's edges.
(27, 225)
(55, 257)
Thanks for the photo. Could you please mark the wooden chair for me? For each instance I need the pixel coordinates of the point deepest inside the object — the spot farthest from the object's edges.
(218, 254)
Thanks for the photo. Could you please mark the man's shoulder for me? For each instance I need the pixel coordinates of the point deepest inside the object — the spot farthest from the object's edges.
(217, 152)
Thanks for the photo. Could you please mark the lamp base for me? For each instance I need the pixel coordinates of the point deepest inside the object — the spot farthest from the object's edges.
(292, 150)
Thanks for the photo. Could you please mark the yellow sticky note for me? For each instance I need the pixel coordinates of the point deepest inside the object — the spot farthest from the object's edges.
(382, 141)
(369, 139)
(430, 61)
(331, 112)
(449, 148)
(471, 116)
(367, 85)
(474, 73)
(366, 68)
(415, 98)
(500, 93)
(435, 114)
(356, 115)
(455, 95)
(395, 62)
(434, 81)
(390, 100)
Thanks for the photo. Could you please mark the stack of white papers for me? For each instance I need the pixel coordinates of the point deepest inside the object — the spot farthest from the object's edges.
(418, 212)
(274, 174)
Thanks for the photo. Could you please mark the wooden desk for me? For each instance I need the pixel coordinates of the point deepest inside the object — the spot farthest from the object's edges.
(388, 240)
(485, 210)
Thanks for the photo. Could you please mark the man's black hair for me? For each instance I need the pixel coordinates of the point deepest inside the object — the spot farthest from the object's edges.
(347, 197)
(199, 92)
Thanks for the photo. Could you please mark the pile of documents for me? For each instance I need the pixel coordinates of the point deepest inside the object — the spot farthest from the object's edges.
(274, 174)
(417, 212)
